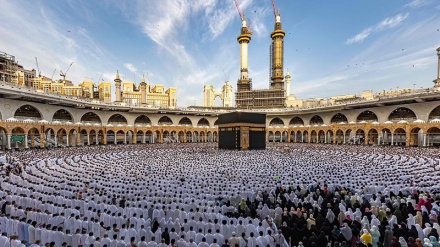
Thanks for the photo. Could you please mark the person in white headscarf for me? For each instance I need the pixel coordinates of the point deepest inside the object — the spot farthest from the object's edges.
(357, 213)
(374, 221)
(392, 222)
(437, 227)
(420, 231)
(346, 232)
(402, 242)
(427, 230)
(427, 242)
(375, 235)
(410, 221)
(365, 223)
(330, 216)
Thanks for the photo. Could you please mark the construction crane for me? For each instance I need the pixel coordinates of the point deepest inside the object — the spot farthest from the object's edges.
(53, 74)
(274, 10)
(38, 67)
(242, 17)
(64, 74)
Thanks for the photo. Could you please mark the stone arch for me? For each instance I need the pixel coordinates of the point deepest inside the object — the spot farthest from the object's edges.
(399, 137)
(165, 120)
(203, 122)
(117, 119)
(296, 121)
(33, 137)
(28, 111)
(321, 136)
(120, 137)
(142, 120)
(340, 136)
(367, 116)
(185, 122)
(189, 136)
(359, 137)
(434, 114)
(216, 123)
(270, 136)
(62, 115)
(90, 117)
(348, 136)
(292, 136)
(276, 122)
(402, 113)
(61, 138)
(215, 136)
(373, 137)
(339, 118)
(305, 136)
(181, 136)
(111, 137)
(329, 136)
(196, 136)
(149, 136)
(139, 136)
(316, 120)
(129, 136)
(386, 136)
(416, 137)
(313, 136)
(299, 136)
(433, 137)
(18, 140)
(209, 136)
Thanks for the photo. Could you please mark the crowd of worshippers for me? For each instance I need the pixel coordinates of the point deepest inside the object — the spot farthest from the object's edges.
(189, 195)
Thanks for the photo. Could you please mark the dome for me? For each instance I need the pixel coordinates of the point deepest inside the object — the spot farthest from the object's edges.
(435, 120)
(43, 121)
(375, 122)
(402, 121)
(419, 121)
(28, 120)
(11, 119)
(388, 122)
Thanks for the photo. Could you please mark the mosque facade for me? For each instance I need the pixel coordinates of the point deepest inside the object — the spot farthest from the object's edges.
(31, 117)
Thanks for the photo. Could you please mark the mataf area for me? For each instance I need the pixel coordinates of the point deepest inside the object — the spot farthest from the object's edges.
(198, 195)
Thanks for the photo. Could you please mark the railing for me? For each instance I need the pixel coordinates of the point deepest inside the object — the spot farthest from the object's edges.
(80, 100)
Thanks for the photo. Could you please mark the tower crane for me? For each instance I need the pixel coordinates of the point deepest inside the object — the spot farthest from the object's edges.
(274, 10)
(38, 67)
(242, 17)
(64, 74)
(53, 74)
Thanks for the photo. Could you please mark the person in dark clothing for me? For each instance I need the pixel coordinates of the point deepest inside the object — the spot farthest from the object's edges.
(387, 237)
(412, 233)
(411, 242)
(166, 236)
(433, 233)
(322, 240)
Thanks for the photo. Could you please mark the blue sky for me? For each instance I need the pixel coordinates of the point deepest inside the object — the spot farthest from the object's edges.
(331, 47)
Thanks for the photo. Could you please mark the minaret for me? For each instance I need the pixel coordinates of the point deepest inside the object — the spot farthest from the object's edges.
(288, 78)
(118, 87)
(437, 81)
(143, 87)
(277, 55)
(244, 82)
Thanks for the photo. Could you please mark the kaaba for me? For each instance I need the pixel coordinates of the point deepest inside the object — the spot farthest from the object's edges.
(242, 131)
